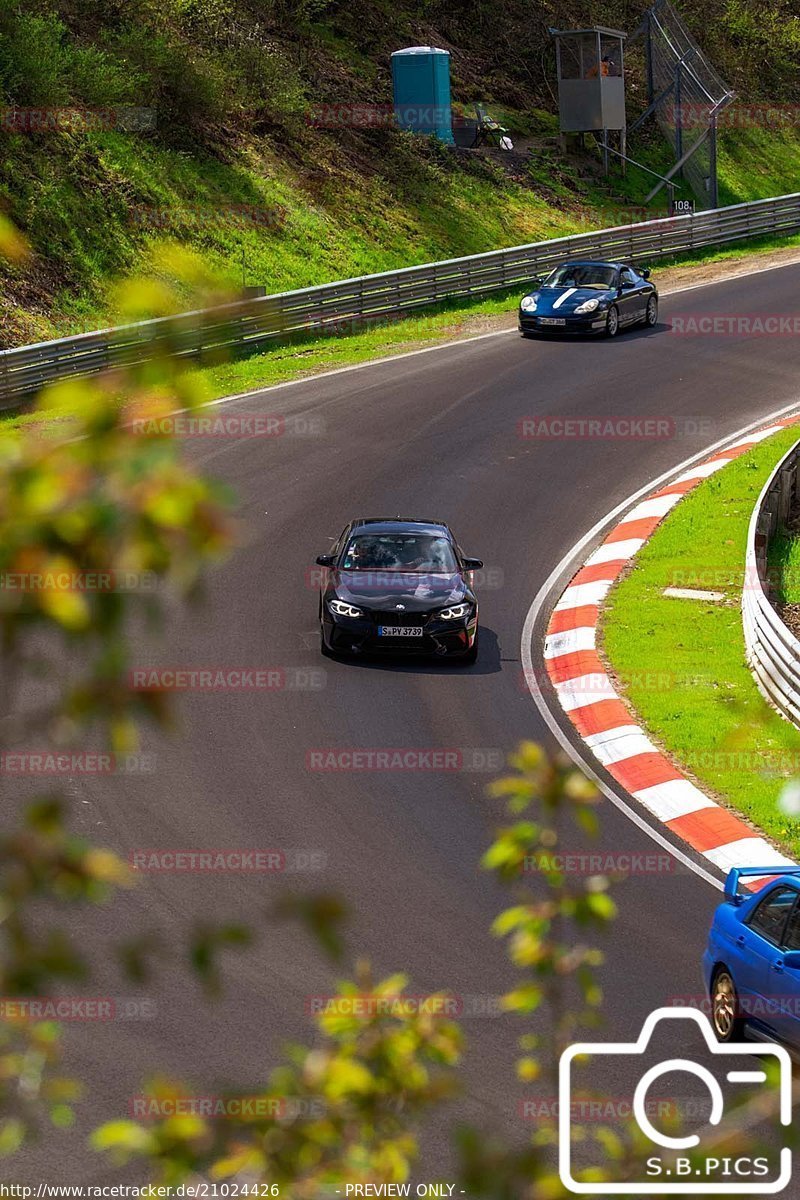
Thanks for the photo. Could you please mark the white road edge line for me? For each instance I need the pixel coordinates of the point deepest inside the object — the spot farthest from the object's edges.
(571, 558)
(478, 337)
(539, 599)
(533, 611)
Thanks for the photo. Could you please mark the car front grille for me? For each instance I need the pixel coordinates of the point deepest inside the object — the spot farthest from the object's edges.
(400, 618)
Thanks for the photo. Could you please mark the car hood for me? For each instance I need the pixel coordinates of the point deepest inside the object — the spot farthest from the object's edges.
(384, 589)
(559, 301)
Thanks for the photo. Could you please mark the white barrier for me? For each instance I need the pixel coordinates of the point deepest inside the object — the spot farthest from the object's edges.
(773, 652)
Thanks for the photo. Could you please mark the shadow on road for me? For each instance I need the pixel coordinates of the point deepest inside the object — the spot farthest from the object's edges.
(598, 339)
(488, 661)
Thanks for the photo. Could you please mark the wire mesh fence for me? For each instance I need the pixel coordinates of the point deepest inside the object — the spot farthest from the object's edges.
(689, 93)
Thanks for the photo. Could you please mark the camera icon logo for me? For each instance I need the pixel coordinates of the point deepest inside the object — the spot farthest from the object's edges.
(666, 1171)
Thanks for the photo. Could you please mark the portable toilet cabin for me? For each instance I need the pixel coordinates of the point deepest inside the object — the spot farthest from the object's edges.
(421, 88)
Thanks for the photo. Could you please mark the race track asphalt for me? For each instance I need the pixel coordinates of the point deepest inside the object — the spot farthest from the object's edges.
(434, 435)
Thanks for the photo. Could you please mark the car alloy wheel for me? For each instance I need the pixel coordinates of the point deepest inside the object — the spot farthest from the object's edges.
(651, 315)
(724, 1007)
(612, 321)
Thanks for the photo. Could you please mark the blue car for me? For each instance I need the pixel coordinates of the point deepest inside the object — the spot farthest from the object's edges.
(589, 297)
(752, 961)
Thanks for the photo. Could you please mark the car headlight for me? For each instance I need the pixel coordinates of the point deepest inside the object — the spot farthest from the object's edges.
(587, 306)
(342, 609)
(528, 303)
(452, 614)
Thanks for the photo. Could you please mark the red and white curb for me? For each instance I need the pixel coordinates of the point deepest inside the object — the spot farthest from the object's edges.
(588, 697)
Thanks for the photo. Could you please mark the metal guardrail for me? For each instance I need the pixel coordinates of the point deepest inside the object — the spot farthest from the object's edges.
(773, 652)
(252, 323)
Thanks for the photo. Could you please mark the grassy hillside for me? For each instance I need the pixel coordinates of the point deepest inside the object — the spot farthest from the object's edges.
(236, 166)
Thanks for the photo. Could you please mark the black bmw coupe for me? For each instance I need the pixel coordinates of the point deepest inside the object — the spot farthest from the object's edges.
(398, 586)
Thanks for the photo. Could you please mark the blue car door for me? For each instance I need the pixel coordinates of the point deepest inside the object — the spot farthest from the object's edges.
(630, 302)
(757, 951)
(786, 984)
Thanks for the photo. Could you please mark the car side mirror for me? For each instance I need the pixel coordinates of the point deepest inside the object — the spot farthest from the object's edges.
(473, 564)
(645, 273)
(325, 560)
(791, 959)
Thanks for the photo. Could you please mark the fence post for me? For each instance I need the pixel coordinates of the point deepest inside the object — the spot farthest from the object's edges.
(712, 165)
(648, 41)
(761, 543)
(678, 117)
(785, 487)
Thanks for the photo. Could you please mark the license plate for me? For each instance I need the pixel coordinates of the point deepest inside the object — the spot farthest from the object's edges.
(399, 631)
(552, 321)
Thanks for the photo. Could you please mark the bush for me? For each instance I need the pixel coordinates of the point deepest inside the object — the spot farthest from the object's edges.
(33, 58)
(186, 88)
(40, 65)
(769, 44)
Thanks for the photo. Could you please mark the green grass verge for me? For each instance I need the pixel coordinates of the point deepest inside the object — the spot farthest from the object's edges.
(759, 245)
(784, 567)
(311, 355)
(429, 327)
(114, 204)
(263, 158)
(259, 219)
(757, 162)
(681, 663)
(306, 356)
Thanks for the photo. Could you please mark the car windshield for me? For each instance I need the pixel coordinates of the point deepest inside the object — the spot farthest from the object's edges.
(582, 275)
(407, 552)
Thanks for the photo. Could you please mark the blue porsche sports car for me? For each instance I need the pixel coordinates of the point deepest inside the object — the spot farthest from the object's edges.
(589, 297)
(752, 960)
